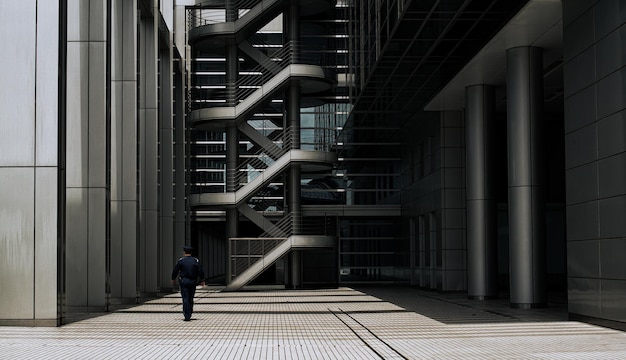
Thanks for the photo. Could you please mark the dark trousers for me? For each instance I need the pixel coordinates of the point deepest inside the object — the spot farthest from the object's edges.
(187, 291)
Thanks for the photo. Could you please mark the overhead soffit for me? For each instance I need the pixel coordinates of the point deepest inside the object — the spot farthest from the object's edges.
(539, 24)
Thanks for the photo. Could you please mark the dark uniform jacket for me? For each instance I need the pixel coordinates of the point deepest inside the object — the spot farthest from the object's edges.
(188, 268)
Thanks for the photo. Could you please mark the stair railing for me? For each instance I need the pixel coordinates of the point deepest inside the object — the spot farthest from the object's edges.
(258, 162)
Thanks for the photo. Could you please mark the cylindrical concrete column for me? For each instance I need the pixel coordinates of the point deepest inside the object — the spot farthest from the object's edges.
(293, 114)
(292, 27)
(482, 254)
(231, 10)
(527, 244)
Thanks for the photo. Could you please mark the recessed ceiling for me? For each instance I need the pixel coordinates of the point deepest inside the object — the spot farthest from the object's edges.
(539, 24)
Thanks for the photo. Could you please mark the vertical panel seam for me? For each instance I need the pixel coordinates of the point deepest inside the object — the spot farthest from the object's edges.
(35, 173)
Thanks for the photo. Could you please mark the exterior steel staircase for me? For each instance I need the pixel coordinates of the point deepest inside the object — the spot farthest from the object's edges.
(276, 70)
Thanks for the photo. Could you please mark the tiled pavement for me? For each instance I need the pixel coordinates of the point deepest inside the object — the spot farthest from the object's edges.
(344, 323)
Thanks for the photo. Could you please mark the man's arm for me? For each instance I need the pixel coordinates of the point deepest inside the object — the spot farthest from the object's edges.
(201, 274)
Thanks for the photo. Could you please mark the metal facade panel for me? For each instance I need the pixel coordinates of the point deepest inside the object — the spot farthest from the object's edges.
(97, 111)
(17, 87)
(78, 20)
(17, 246)
(46, 235)
(77, 247)
(96, 247)
(47, 86)
(77, 107)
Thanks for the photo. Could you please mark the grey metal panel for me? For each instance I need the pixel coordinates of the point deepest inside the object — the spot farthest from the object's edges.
(581, 183)
(453, 177)
(150, 271)
(167, 255)
(612, 299)
(608, 16)
(150, 160)
(130, 239)
(47, 83)
(129, 39)
(580, 109)
(17, 223)
(77, 20)
(46, 235)
(123, 275)
(97, 20)
(579, 76)
(612, 135)
(454, 280)
(612, 264)
(451, 119)
(166, 157)
(453, 238)
(583, 296)
(117, 155)
(76, 248)
(148, 58)
(167, 182)
(455, 259)
(96, 255)
(116, 240)
(583, 258)
(611, 93)
(612, 212)
(581, 146)
(579, 31)
(77, 106)
(453, 157)
(452, 137)
(582, 221)
(453, 198)
(453, 218)
(97, 114)
(128, 140)
(116, 40)
(611, 52)
(612, 176)
(17, 103)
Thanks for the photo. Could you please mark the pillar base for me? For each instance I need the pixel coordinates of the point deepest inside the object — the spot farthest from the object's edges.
(528, 306)
(482, 297)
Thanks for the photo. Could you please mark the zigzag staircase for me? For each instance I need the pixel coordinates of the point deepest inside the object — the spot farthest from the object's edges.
(252, 93)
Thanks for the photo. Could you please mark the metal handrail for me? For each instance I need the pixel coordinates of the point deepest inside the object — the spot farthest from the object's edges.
(244, 252)
(211, 12)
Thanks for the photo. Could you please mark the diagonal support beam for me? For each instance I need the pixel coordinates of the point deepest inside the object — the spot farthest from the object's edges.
(259, 57)
(261, 221)
(259, 139)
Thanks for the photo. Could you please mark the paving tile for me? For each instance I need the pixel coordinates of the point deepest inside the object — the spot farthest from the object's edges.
(343, 323)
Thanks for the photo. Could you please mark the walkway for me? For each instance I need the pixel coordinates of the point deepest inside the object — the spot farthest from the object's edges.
(344, 323)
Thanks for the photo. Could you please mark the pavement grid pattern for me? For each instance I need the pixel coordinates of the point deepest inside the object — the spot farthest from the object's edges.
(343, 323)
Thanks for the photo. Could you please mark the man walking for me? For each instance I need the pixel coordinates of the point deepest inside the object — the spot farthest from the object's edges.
(189, 271)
